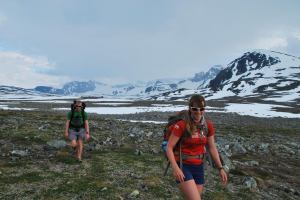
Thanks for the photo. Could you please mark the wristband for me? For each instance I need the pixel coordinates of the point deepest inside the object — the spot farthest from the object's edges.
(220, 168)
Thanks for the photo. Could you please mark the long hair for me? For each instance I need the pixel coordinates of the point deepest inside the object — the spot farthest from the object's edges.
(195, 100)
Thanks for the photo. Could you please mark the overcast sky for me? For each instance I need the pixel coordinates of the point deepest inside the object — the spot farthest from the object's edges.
(51, 42)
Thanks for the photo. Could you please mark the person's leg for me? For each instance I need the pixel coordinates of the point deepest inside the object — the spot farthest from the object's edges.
(73, 138)
(81, 137)
(189, 187)
(190, 190)
(79, 149)
(200, 189)
(198, 175)
(73, 143)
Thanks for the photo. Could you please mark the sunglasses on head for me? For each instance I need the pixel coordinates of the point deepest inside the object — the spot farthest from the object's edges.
(197, 109)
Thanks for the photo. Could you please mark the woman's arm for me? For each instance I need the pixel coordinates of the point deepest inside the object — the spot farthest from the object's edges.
(215, 156)
(170, 154)
(86, 126)
(67, 128)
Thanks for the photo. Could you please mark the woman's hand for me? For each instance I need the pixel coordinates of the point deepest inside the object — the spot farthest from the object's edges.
(178, 174)
(223, 176)
(87, 136)
(66, 134)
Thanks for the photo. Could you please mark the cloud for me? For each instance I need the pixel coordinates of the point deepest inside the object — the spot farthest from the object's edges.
(145, 39)
(27, 71)
(271, 43)
(3, 19)
(296, 34)
(287, 41)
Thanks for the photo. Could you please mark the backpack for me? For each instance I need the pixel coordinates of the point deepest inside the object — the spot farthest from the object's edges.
(75, 121)
(172, 120)
(183, 115)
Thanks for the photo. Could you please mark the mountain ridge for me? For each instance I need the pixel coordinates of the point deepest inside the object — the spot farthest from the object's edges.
(259, 73)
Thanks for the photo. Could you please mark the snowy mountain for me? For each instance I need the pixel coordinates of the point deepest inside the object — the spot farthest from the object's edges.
(135, 89)
(201, 79)
(262, 74)
(18, 92)
(259, 73)
(49, 90)
(69, 88)
(15, 90)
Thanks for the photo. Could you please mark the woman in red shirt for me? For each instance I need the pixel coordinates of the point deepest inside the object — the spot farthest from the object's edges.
(190, 177)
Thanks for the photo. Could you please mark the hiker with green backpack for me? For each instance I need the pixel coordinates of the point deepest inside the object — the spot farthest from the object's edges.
(77, 127)
(186, 146)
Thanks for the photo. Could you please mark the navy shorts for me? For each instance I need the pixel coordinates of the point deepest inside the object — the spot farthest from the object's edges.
(76, 135)
(195, 172)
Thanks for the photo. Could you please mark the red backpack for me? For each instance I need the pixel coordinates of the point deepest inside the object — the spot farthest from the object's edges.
(172, 120)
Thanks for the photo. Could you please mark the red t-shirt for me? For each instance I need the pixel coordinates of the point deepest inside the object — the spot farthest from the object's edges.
(192, 146)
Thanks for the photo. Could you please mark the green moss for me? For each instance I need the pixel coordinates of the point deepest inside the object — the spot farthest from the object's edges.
(246, 194)
(24, 178)
(85, 187)
(66, 158)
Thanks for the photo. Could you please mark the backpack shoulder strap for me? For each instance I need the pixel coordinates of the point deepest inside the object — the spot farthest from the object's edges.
(83, 112)
(83, 115)
(203, 126)
(72, 111)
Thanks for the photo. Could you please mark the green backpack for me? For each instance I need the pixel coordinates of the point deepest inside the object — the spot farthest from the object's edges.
(75, 122)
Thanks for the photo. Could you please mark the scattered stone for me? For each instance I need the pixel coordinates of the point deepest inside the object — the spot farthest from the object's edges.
(58, 144)
(138, 152)
(251, 163)
(228, 165)
(44, 127)
(121, 198)
(144, 188)
(286, 149)
(155, 151)
(98, 147)
(264, 147)
(229, 188)
(134, 194)
(238, 148)
(149, 134)
(250, 183)
(19, 153)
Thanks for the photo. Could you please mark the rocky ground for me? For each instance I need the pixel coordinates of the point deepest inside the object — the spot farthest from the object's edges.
(124, 161)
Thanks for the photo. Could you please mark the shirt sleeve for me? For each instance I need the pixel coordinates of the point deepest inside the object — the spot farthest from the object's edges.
(211, 129)
(178, 128)
(85, 116)
(69, 115)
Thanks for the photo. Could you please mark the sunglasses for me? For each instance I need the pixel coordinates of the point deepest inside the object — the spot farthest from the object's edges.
(78, 106)
(197, 109)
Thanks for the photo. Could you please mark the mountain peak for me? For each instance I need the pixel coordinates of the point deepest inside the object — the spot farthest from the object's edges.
(259, 72)
(210, 74)
(252, 61)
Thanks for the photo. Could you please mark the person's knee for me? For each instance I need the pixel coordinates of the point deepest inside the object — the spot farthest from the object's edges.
(73, 143)
(189, 189)
(80, 143)
(200, 189)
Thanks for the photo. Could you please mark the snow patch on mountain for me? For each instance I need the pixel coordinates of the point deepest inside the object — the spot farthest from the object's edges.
(260, 73)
